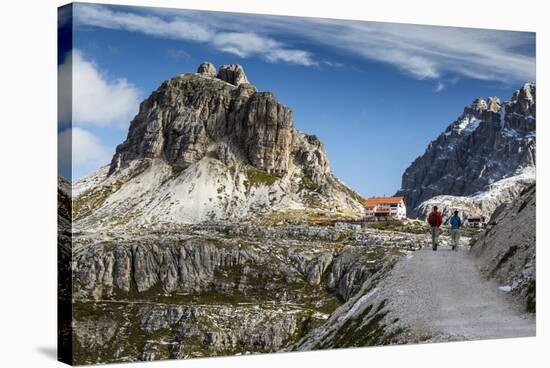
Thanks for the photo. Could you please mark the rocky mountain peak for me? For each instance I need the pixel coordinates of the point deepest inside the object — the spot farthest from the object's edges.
(187, 115)
(207, 69)
(478, 105)
(490, 141)
(219, 148)
(232, 73)
(493, 104)
(524, 100)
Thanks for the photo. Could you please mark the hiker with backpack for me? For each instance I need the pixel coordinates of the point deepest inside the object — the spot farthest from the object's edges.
(435, 219)
(456, 224)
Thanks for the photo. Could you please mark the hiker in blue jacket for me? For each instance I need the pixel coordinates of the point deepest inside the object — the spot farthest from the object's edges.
(456, 224)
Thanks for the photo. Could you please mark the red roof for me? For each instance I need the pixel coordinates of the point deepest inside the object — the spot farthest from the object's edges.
(373, 201)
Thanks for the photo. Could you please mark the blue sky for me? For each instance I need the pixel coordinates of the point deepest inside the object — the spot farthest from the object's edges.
(375, 93)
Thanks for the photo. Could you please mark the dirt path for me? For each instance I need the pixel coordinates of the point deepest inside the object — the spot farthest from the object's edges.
(443, 294)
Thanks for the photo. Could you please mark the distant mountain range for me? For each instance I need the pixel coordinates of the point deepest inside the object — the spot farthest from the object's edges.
(484, 158)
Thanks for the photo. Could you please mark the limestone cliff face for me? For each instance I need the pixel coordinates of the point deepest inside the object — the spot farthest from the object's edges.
(189, 113)
(490, 141)
(114, 269)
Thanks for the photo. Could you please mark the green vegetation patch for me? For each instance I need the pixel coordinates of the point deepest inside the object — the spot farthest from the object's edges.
(257, 177)
(308, 184)
(86, 203)
(412, 227)
(353, 194)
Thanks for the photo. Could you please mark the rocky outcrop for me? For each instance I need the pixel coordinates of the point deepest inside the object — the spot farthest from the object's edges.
(211, 147)
(94, 333)
(115, 269)
(309, 154)
(219, 289)
(488, 142)
(102, 271)
(524, 101)
(264, 131)
(215, 327)
(189, 113)
(148, 332)
(233, 74)
(506, 251)
(207, 69)
(363, 320)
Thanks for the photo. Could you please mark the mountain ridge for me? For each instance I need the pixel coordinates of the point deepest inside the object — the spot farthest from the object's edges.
(466, 158)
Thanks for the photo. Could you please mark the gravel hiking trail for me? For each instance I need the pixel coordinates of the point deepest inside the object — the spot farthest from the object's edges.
(442, 294)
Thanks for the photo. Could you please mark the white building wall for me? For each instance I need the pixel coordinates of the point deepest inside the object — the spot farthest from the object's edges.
(399, 212)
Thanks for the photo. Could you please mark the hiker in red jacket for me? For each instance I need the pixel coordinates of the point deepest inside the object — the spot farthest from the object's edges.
(435, 219)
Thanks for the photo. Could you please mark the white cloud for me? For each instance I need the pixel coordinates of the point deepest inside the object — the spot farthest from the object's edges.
(80, 147)
(422, 52)
(178, 54)
(439, 86)
(101, 16)
(334, 64)
(242, 43)
(97, 99)
(427, 52)
(247, 44)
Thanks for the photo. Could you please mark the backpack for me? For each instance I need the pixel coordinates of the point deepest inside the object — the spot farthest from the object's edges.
(455, 221)
(432, 219)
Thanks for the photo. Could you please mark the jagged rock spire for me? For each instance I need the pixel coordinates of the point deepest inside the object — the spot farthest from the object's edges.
(524, 100)
(232, 73)
(207, 69)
